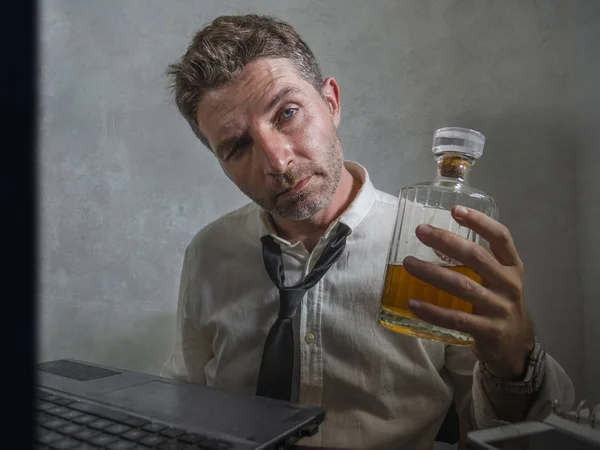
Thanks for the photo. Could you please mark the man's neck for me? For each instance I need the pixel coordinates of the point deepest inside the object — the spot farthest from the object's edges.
(310, 230)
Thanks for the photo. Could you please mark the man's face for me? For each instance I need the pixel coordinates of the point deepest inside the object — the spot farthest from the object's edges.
(275, 137)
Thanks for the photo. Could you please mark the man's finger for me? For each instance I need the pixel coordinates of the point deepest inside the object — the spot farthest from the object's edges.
(456, 284)
(498, 236)
(468, 253)
(476, 326)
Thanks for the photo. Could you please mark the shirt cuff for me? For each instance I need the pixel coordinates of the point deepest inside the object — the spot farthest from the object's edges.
(556, 386)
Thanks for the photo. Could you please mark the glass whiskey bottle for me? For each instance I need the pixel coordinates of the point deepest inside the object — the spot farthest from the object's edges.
(455, 151)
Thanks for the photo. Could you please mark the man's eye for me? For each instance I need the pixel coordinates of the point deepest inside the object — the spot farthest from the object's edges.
(237, 149)
(288, 113)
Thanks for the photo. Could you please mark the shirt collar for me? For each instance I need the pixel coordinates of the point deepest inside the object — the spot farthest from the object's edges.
(351, 217)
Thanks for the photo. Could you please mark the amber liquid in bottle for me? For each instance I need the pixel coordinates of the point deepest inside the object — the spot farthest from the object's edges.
(400, 286)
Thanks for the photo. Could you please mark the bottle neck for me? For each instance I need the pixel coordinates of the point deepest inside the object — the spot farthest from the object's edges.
(456, 166)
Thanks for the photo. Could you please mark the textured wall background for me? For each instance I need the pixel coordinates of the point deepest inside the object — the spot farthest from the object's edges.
(124, 184)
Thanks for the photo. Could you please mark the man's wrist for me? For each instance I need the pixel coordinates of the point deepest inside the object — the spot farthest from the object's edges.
(530, 380)
(516, 368)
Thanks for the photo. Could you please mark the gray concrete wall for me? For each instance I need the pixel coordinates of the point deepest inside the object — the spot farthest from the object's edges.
(586, 104)
(124, 184)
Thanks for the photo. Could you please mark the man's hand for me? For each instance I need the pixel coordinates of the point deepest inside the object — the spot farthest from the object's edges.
(500, 325)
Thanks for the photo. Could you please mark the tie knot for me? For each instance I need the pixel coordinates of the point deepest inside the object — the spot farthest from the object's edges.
(289, 301)
(291, 296)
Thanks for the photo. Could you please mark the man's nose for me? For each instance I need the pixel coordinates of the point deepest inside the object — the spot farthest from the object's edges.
(275, 151)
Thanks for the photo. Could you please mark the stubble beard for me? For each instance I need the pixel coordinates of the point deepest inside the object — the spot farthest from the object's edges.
(312, 199)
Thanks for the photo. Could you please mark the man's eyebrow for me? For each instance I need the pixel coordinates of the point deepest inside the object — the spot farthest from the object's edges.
(283, 93)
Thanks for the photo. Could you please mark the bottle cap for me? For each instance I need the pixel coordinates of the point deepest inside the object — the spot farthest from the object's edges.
(462, 140)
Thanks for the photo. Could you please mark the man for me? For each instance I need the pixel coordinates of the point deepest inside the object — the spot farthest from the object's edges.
(253, 93)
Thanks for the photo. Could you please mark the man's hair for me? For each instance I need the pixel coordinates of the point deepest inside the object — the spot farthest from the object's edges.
(220, 51)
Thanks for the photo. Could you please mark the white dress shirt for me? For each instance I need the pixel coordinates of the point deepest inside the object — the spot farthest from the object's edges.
(379, 389)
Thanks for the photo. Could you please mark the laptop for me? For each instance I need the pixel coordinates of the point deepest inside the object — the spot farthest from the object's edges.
(81, 405)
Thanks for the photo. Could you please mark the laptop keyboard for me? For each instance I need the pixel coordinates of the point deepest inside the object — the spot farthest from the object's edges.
(66, 424)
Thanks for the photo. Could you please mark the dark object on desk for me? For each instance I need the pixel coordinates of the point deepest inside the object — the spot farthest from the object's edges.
(558, 431)
(81, 404)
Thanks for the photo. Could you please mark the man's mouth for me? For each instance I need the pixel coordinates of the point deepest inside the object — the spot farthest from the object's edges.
(297, 188)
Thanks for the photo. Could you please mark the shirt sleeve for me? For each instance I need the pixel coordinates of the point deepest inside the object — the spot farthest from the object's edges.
(191, 350)
(474, 407)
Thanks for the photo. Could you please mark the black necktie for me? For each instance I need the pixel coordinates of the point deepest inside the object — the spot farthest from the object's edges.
(277, 365)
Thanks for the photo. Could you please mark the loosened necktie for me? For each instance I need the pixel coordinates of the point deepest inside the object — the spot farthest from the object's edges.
(277, 364)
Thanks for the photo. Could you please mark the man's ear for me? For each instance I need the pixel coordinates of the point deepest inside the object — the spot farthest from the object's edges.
(331, 93)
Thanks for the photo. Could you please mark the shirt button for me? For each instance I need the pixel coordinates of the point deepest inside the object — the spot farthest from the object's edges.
(309, 338)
